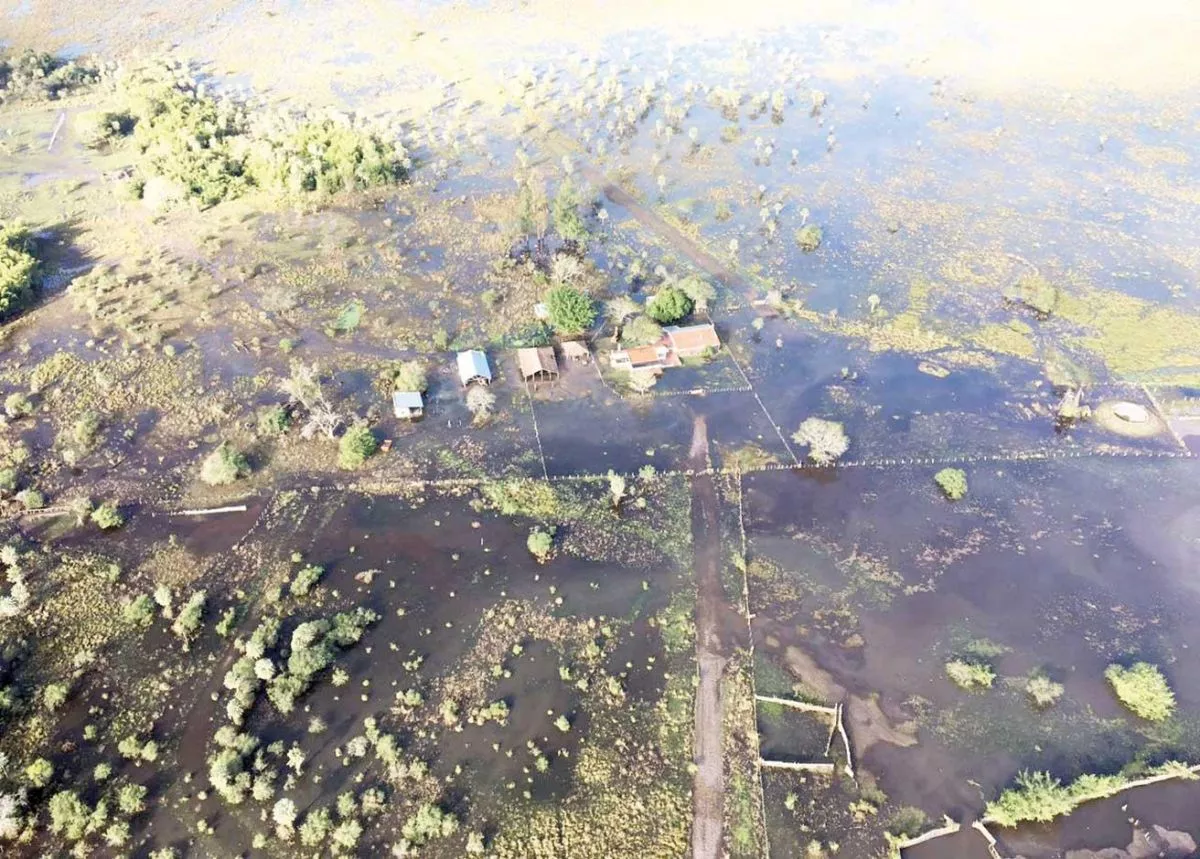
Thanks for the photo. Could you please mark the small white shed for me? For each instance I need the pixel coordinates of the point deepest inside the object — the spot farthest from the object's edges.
(473, 367)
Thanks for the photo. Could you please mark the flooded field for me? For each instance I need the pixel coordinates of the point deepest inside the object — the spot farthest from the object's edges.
(852, 513)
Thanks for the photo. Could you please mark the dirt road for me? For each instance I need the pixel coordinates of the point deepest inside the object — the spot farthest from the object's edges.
(706, 542)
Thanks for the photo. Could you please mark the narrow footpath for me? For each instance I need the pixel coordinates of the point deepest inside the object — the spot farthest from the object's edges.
(707, 791)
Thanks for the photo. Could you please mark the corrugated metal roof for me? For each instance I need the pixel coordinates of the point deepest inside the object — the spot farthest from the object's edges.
(537, 360)
(473, 364)
(407, 400)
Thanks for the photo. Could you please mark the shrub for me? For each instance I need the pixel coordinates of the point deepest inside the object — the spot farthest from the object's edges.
(139, 611)
(31, 499)
(410, 376)
(131, 799)
(86, 430)
(953, 482)
(826, 440)
(669, 304)
(541, 544)
(17, 405)
(970, 675)
(54, 695)
(273, 420)
(356, 446)
(305, 580)
(224, 465)
(809, 238)
(907, 822)
(1043, 691)
(39, 773)
(69, 815)
(429, 822)
(1037, 797)
(1142, 688)
(18, 268)
(641, 331)
(516, 496)
(570, 311)
(107, 516)
(187, 623)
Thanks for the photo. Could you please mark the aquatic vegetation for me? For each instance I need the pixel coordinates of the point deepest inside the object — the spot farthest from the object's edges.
(1143, 689)
(570, 311)
(1039, 797)
(668, 305)
(971, 676)
(18, 268)
(809, 237)
(224, 465)
(356, 446)
(1043, 691)
(953, 482)
(825, 439)
(1036, 293)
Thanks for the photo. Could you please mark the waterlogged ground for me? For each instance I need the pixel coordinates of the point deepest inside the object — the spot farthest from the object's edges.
(702, 146)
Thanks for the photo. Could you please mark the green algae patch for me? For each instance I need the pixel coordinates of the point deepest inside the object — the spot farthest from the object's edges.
(1014, 338)
(1135, 337)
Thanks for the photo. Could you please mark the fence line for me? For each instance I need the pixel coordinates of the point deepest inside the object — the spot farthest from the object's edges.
(536, 433)
(763, 406)
(797, 767)
(799, 705)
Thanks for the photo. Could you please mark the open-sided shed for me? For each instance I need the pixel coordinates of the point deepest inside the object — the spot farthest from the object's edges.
(537, 363)
(473, 367)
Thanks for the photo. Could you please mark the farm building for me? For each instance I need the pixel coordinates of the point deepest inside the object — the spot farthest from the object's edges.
(537, 363)
(408, 404)
(473, 367)
(692, 340)
(653, 357)
(574, 350)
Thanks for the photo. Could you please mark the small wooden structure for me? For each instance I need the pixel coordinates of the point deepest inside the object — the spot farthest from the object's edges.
(575, 350)
(408, 404)
(473, 367)
(537, 363)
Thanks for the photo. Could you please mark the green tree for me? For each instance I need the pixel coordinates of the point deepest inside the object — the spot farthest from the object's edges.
(40, 772)
(568, 223)
(669, 304)
(640, 331)
(107, 516)
(571, 312)
(356, 446)
(18, 268)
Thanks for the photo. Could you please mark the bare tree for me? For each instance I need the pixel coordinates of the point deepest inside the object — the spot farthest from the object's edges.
(303, 388)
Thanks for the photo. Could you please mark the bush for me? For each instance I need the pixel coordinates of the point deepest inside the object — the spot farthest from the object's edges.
(1037, 797)
(18, 268)
(305, 580)
(809, 238)
(970, 675)
(31, 499)
(273, 420)
(410, 376)
(356, 446)
(481, 403)
(17, 405)
(1142, 688)
(187, 623)
(826, 440)
(953, 482)
(139, 611)
(429, 822)
(223, 466)
(107, 516)
(39, 773)
(669, 304)
(570, 311)
(1043, 691)
(540, 544)
(69, 815)
(568, 223)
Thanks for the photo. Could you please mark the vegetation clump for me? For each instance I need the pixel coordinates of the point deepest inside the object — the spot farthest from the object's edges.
(1036, 293)
(1039, 797)
(809, 238)
(18, 268)
(641, 331)
(970, 675)
(953, 482)
(410, 376)
(826, 440)
(37, 75)
(1142, 688)
(541, 544)
(107, 516)
(570, 311)
(1043, 691)
(224, 465)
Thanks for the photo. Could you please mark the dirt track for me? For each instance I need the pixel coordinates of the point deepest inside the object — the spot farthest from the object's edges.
(707, 793)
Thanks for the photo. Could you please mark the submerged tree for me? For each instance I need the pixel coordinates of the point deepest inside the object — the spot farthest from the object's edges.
(570, 311)
(303, 388)
(224, 465)
(568, 222)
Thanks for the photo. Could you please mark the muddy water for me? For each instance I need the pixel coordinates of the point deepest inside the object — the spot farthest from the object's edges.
(1036, 560)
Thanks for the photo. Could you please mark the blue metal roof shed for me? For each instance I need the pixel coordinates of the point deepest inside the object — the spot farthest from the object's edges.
(407, 404)
(473, 367)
